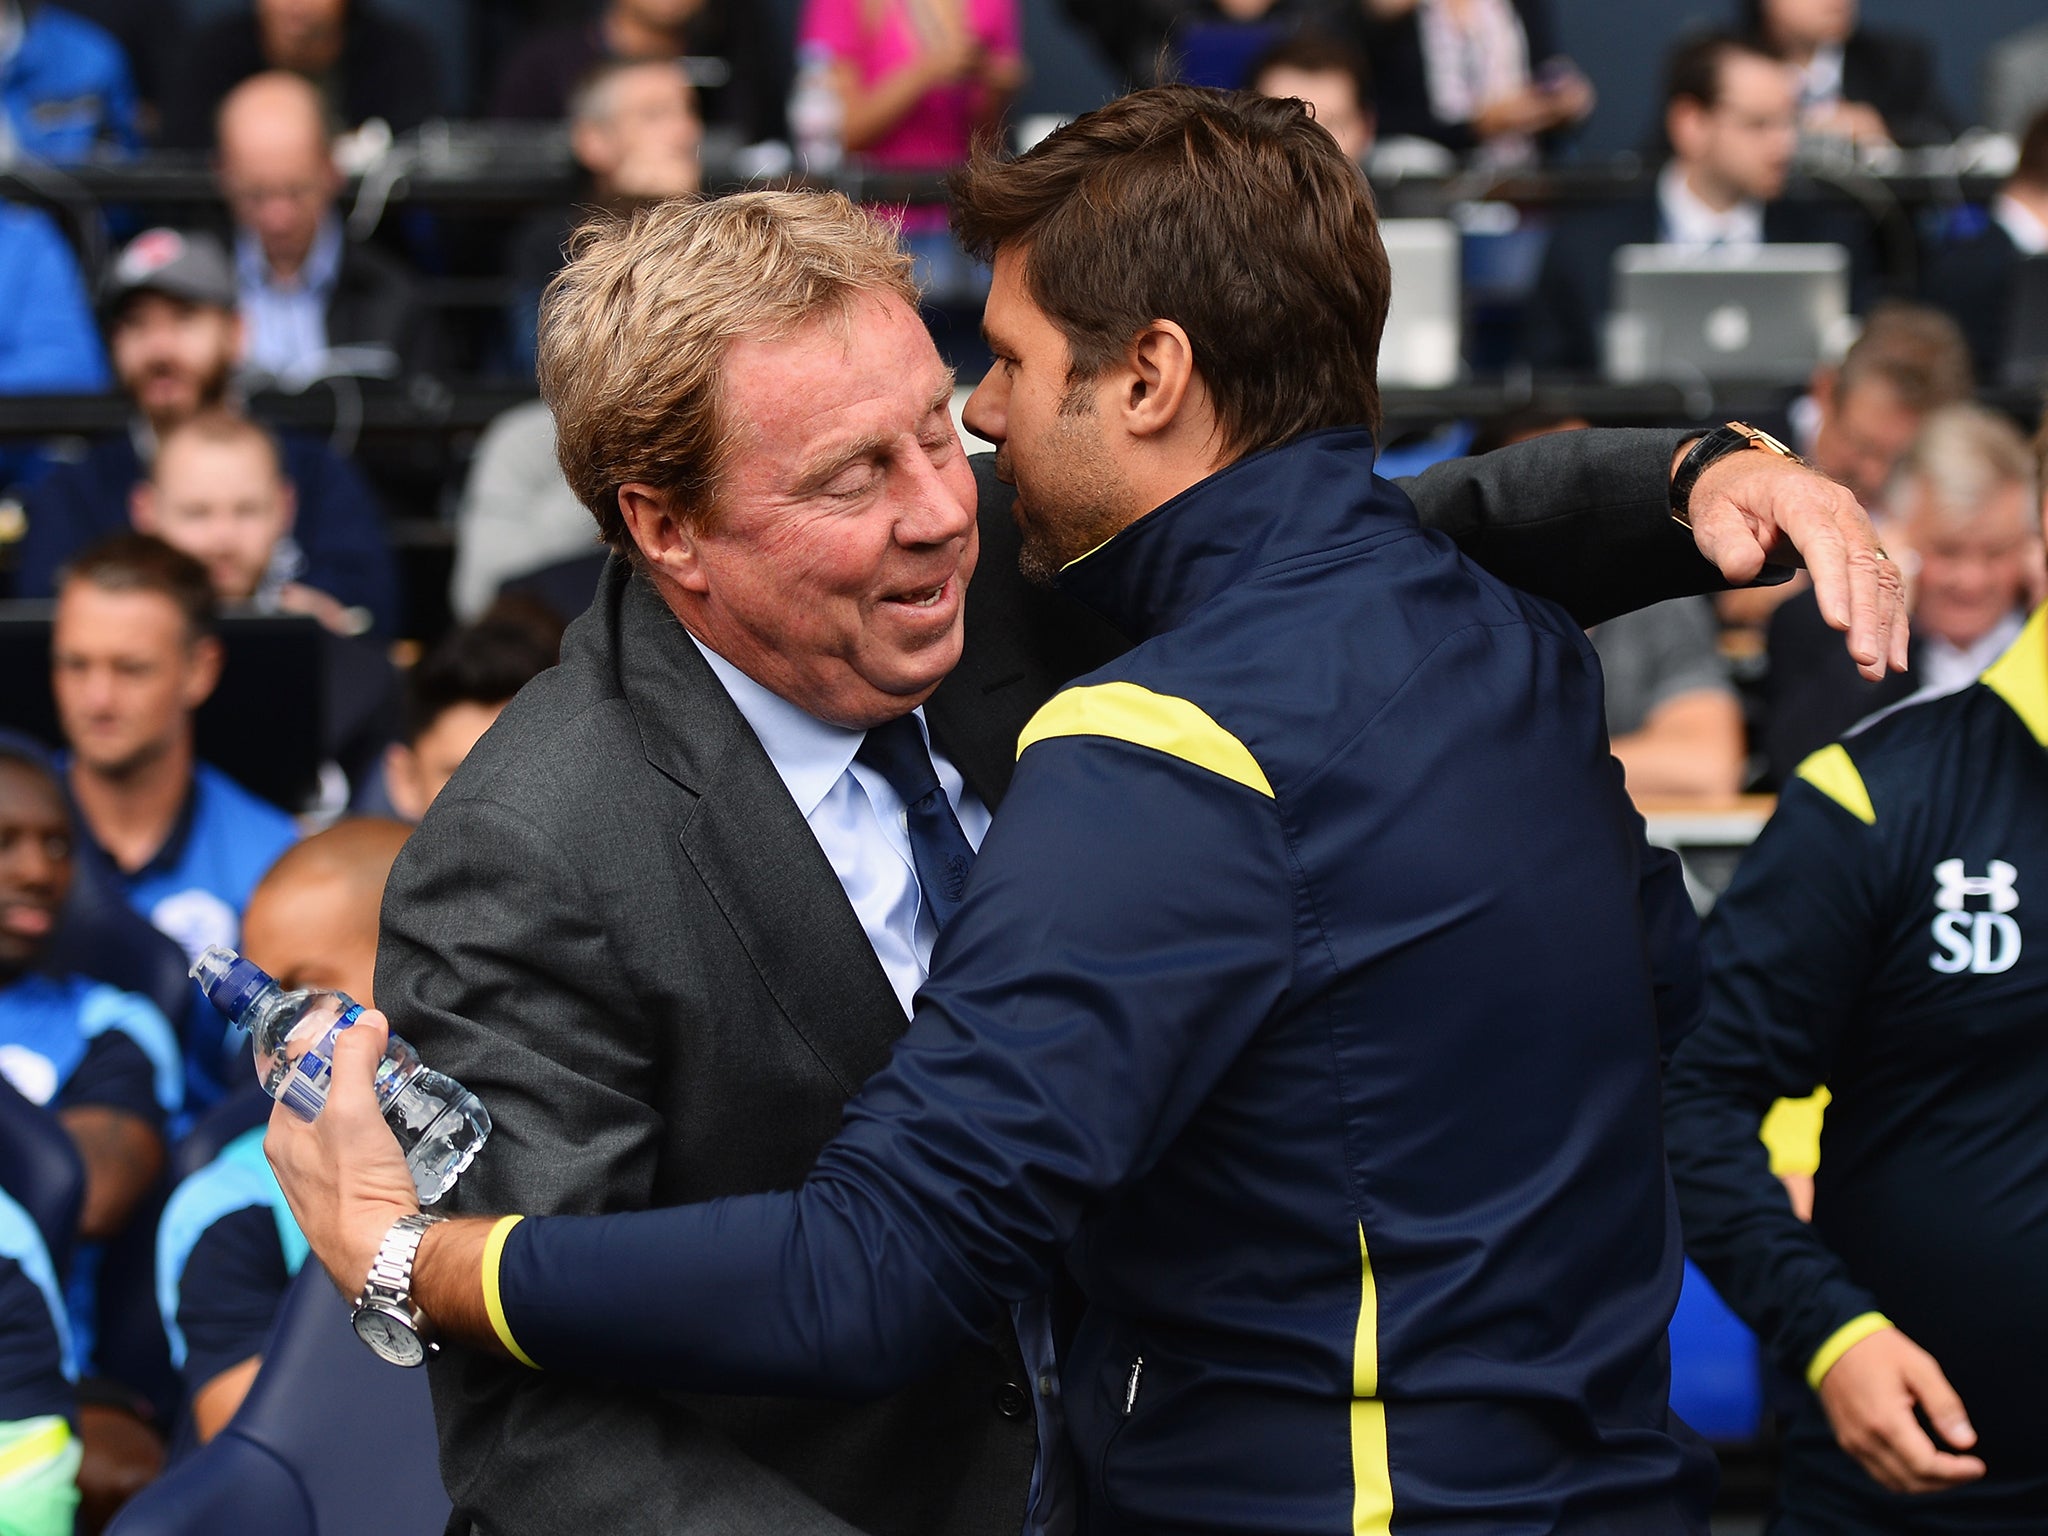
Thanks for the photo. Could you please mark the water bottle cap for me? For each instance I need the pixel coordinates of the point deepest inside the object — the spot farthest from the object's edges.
(230, 983)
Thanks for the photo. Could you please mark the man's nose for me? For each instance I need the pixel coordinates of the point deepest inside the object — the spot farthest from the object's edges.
(984, 411)
(933, 513)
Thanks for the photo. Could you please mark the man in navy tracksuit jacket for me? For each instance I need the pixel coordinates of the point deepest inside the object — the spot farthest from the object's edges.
(1303, 986)
(1307, 996)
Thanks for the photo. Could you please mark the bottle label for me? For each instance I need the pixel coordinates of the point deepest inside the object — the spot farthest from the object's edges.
(304, 1090)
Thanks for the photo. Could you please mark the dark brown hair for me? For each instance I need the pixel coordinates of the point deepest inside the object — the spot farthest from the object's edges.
(1234, 216)
(2033, 163)
(136, 562)
(1693, 71)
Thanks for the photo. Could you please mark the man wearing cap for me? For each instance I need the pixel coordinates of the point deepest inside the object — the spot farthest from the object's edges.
(176, 337)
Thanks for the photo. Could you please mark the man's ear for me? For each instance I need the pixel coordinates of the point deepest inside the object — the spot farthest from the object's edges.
(1822, 387)
(288, 500)
(202, 674)
(402, 782)
(665, 538)
(142, 507)
(1161, 373)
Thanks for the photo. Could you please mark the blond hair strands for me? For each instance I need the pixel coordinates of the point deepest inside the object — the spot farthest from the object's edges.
(634, 331)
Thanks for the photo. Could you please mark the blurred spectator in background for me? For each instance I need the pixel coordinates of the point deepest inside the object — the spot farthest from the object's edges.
(1858, 418)
(37, 1376)
(1974, 280)
(48, 343)
(106, 1061)
(106, 1064)
(735, 52)
(918, 82)
(2016, 80)
(1333, 77)
(313, 302)
(175, 335)
(133, 655)
(1855, 83)
(918, 78)
(65, 83)
(149, 33)
(1476, 76)
(517, 514)
(367, 63)
(227, 1247)
(635, 133)
(217, 492)
(1963, 518)
(1673, 718)
(1730, 114)
(452, 697)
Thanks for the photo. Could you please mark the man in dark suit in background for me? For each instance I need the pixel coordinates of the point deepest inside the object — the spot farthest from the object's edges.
(1974, 280)
(1856, 83)
(367, 62)
(315, 302)
(658, 924)
(1730, 115)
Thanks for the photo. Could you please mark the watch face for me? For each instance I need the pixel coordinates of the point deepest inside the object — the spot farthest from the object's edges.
(389, 1335)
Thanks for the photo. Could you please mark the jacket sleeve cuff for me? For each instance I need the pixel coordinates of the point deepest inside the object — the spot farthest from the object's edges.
(494, 1300)
(1839, 1343)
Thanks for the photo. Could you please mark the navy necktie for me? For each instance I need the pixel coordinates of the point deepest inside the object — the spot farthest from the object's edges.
(939, 850)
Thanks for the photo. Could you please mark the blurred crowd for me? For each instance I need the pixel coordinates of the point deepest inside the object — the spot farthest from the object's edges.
(198, 541)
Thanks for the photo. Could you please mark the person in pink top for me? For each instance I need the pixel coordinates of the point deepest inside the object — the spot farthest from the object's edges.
(917, 81)
(918, 78)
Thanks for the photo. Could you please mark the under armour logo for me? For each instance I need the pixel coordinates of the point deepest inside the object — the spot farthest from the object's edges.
(1984, 943)
(2000, 883)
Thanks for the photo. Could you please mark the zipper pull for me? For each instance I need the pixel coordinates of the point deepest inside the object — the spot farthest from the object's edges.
(1131, 1386)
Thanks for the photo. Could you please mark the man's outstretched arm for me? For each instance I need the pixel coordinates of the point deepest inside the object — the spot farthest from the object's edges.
(1584, 518)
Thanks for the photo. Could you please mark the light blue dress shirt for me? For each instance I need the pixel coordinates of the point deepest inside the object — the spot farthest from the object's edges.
(857, 818)
(860, 824)
(287, 321)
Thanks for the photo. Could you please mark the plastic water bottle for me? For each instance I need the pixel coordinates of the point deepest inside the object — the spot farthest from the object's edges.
(439, 1122)
(817, 117)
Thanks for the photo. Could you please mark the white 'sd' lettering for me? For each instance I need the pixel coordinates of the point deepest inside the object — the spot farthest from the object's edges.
(1984, 943)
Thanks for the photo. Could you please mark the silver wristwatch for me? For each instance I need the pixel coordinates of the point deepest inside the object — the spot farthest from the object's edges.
(384, 1315)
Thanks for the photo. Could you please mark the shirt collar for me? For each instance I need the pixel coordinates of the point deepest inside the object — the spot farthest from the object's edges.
(810, 755)
(2021, 224)
(1689, 221)
(2020, 676)
(169, 854)
(317, 276)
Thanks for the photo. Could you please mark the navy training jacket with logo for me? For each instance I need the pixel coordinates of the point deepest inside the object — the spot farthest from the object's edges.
(1885, 937)
(1306, 1000)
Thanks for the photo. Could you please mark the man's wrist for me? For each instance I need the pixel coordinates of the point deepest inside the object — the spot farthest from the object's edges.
(449, 1281)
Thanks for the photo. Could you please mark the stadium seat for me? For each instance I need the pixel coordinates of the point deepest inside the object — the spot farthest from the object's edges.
(330, 1441)
(41, 1169)
(1716, 1372)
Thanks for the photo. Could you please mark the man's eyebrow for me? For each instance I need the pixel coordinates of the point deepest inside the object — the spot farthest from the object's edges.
(822, 466)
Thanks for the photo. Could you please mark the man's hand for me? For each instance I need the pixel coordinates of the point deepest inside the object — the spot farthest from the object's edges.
(1750, 507)
(344, 1174)
(1869, 1395)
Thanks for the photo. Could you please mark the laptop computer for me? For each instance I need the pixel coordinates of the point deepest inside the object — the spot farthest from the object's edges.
(261, 727)
(1420, 349)
(1761, 314)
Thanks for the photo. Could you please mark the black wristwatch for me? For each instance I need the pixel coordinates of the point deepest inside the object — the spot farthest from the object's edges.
(1712, 448)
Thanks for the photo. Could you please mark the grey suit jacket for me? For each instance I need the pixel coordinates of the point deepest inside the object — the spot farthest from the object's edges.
(615, 928)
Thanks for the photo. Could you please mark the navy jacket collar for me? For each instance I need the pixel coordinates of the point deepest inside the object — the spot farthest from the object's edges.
(1309, 495)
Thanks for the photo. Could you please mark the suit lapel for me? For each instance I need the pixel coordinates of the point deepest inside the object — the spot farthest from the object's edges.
(755, 856)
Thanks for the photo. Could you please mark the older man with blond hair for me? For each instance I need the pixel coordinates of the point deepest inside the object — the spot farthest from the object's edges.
(673, 910)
